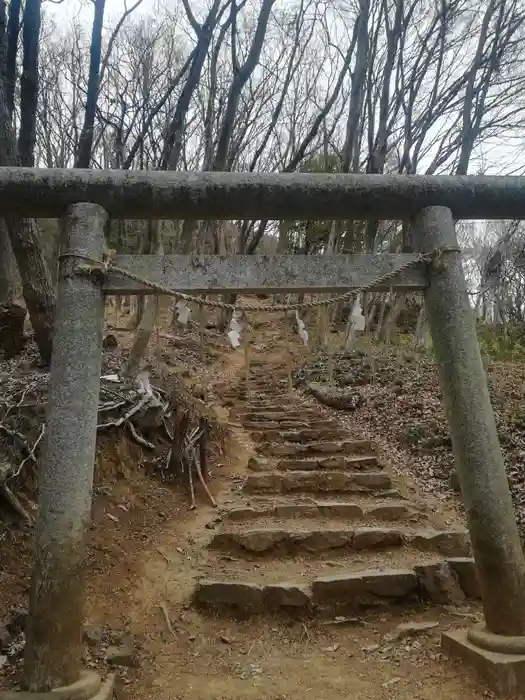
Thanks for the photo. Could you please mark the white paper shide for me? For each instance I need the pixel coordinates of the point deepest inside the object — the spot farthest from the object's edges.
(301, 329)
(356, 317)
(235, 330)
(183, 312)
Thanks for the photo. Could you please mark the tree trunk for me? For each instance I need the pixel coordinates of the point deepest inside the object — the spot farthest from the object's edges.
(37, 286)
(174, 138)
(13, 31)
(422, 334)
(12, 337)
(357, 92)
(241, 75)
(85, 144)
(23, 233)
(381, 318)
(149, 313)
(29, 84)
(7, 266)
(396, 307)
(6, 253)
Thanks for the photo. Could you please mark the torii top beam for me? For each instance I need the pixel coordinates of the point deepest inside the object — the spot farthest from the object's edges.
(46, 193)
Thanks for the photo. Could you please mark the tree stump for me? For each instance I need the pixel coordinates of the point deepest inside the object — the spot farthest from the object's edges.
(12, 337)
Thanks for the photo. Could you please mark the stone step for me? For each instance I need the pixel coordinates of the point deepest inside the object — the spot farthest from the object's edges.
(251, 567)
(261, 368)
(295, 537)
(270, 396)
(295, 424)
(268, 384)
(366, 499)
(266, 392)
(283, 408)
(355, 510)
(320, 448)
(230, 403)
(266, 372)
(440, 581)
(272, 374)
(224, 387)
(364, 462)
(293, 411)
(273, 416)
(304, 435)
(257, 397)
(346, 463)
(249, 399)
(270, 404)
(277, 405)
(238, 390)
(258, 390)
(317, 481)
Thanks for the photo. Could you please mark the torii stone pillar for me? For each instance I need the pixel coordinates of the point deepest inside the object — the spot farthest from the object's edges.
(479, 461)
(54, 629)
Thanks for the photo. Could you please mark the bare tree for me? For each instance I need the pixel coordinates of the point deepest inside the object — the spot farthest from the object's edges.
(29, 83)
(364, 87)
(7, 265)
(85, 144)
(13, 29)
(36, 281)
(204, 34)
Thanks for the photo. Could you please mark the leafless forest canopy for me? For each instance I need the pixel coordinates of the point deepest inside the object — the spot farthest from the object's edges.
(368, 86)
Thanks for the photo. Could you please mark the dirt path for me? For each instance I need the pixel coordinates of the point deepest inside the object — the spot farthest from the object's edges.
(231, 655)
(149, 553)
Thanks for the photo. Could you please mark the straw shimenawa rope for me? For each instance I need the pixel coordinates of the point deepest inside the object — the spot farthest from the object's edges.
(104, 267)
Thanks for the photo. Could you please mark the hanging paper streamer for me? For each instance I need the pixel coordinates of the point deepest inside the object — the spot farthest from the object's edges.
(144, 384)
(183, 311)
(246, 345)
(202, 326)
(301, 328)
(357, 318)
(234, 333)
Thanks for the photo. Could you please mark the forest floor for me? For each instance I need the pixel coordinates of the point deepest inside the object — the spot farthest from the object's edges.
(148, 549)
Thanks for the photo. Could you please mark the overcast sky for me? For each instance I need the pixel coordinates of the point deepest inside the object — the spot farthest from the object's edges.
(84, 9)
(499, 156)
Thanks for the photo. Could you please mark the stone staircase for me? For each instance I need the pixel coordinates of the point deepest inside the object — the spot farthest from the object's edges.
(319, 525)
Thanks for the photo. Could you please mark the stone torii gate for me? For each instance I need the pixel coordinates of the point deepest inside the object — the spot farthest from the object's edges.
(89, 198)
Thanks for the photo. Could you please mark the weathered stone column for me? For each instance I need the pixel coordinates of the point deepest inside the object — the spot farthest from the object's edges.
(54, 634)
(479, 462)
